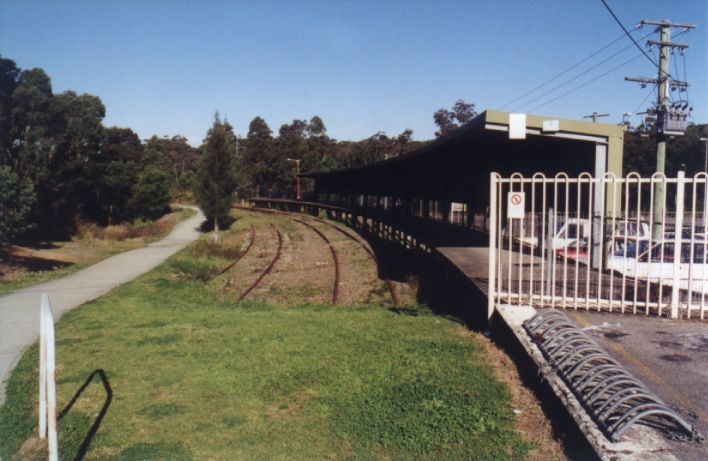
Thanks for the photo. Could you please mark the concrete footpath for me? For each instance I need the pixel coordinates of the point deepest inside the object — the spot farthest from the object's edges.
(19, 311)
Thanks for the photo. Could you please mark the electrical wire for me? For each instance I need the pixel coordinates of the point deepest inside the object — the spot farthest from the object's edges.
(651, 90)
(585, 83)
(630, 36)
(577, 76)
(560, 74)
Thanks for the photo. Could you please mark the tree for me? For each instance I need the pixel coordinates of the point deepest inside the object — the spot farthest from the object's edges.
(216, 174)
(449, 120)
(113, 175)
(257, 157)
(16, 200)
(151, 197)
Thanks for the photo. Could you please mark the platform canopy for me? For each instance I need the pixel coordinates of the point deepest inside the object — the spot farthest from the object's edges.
(456, 166)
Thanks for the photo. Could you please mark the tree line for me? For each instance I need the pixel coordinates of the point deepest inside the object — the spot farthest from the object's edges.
(58, 162)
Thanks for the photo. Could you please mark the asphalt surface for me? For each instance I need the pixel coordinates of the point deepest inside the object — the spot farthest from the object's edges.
(669, 356)
(19, 311)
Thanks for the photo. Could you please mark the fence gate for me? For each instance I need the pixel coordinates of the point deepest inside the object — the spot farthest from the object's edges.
(629, 244)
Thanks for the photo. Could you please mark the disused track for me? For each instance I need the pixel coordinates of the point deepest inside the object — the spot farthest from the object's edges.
(335, 288)
(235, 261)
(389, 284)
(267, 269)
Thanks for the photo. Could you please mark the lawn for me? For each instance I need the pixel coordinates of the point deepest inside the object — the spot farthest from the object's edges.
(197, 375)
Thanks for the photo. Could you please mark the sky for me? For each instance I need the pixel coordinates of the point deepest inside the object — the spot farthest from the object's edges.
(164, 67)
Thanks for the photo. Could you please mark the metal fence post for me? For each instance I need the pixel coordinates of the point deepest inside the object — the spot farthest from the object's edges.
(678, 234)
(550, 233)
(491, 295)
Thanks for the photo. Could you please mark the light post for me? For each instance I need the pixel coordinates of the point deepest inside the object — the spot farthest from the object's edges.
(297, 175)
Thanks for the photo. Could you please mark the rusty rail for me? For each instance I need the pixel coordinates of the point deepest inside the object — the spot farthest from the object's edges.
(269, 268)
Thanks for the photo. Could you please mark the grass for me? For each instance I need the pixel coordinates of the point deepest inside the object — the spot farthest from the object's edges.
(90, 245)
(197, 375)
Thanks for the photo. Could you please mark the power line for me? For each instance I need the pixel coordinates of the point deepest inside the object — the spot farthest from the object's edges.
(578, 75)
(585, 83)
(560, 74)
(651, 91)
(629, 35)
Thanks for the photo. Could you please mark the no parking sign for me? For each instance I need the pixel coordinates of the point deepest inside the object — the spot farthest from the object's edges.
(515, 205)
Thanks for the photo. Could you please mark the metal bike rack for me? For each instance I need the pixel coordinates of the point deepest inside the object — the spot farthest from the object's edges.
(612, 397)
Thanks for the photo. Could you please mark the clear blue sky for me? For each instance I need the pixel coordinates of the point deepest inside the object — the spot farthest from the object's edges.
(164, 67)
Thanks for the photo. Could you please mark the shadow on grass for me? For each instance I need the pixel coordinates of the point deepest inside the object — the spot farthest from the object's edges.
(84, 446)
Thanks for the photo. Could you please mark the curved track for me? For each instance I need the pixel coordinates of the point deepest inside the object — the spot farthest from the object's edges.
(389, 284)
(267, 269)
(335, 288)
(250, 244)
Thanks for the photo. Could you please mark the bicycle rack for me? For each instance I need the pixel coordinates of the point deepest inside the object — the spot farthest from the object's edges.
(612, 397)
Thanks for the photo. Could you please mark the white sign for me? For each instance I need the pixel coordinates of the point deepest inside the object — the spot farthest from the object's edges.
(551, 126)
(517, 126)
(515, 205)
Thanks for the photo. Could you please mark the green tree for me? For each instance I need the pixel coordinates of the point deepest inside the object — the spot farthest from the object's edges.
(257, 156)
(151, 195)
(16, 201)
(216, 174)
(113, 175)
(449, 120)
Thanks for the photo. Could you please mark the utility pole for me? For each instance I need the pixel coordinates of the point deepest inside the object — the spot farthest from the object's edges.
(670, 120)
(594, 116)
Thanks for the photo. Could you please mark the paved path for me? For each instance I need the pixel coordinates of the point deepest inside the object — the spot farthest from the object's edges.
(19, 311)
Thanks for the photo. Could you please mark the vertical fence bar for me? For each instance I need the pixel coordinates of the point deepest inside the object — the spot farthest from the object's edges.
(491, 296)
(678, 234)
(546, 253)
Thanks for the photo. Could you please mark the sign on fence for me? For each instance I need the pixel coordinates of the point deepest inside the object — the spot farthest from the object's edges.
(515, 204)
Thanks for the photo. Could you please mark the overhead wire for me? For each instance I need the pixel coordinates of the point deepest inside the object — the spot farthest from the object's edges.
(578, 75)
(614, 16)
(585, 83)
(560, 74)
(651, 91)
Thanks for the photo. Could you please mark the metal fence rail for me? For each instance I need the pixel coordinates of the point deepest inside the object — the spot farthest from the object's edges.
(613, 398)
(605, 244)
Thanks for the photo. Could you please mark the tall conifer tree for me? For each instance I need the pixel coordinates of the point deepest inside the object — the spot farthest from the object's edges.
(216, 175)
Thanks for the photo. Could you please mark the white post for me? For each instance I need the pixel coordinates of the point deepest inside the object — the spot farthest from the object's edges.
(678, 231)
(47, 349)
(491, 295)
(43, 367)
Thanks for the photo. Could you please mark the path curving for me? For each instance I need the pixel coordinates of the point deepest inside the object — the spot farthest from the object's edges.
(19, 311)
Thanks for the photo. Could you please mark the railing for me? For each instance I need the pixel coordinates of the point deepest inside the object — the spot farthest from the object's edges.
(613, 244)
(47, 379)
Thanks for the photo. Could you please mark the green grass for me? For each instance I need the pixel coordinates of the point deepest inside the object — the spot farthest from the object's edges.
(196, 375)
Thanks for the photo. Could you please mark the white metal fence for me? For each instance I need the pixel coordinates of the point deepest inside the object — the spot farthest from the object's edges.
(629, 244)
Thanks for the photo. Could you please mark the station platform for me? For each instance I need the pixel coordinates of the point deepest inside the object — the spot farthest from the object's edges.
(669, 356)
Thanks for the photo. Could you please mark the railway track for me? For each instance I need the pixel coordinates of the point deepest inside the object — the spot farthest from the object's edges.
(235, 261)
(389, 284)
(268, 268)
(335, 288)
